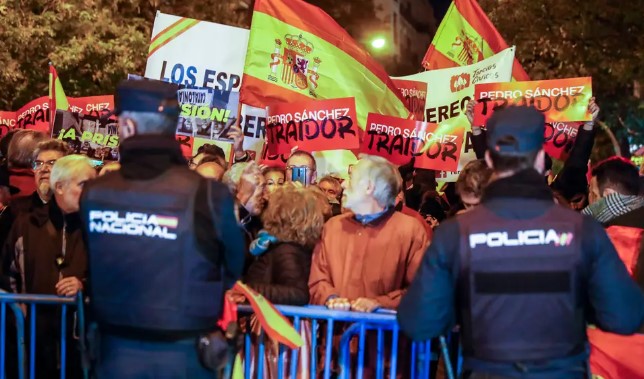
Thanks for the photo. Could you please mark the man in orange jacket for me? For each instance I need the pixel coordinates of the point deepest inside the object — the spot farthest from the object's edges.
(615, 202)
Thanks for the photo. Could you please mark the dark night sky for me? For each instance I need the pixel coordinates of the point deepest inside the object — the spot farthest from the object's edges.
(440, 8)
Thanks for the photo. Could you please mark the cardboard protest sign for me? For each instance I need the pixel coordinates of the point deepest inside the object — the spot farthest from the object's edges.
(186, 145)
(415, 95)
(253, 126)
(34, 115)
(272, 160)
(560, 138)
(7, 122)
(196, 53)
(560, 100)
(199, 142)
(97, 106)
(312, 126)
(443, 146)
(207, 113)
(93, 136)
(398, 140)
(451, 90)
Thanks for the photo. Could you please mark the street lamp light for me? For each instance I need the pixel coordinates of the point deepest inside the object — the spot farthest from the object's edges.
(378, 43)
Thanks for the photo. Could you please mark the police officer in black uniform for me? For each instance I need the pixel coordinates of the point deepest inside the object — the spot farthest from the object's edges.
(521, 275)
(163, 245)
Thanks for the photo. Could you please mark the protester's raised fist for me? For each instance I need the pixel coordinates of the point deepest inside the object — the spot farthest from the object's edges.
(593, 108)
(469, 111)
(237, 135)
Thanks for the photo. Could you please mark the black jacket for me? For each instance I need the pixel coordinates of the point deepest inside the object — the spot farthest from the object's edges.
(614, 302)
(281, 274)
(33, 246)
(16, 207)
(633, 219)
(146, 157)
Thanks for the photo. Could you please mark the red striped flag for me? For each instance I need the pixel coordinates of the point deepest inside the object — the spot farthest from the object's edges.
(297, 52)
(465, 36)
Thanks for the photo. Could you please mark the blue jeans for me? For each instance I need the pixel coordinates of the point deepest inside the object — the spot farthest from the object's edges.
(135, 359)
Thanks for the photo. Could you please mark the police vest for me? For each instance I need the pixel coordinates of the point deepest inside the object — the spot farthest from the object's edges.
(146, 270)
(519, 287)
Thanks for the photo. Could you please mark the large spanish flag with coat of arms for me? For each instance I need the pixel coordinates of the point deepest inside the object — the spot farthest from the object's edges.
(297, 52)
(466, 36)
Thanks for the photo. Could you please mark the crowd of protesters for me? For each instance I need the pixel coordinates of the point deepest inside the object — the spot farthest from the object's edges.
(349, 244)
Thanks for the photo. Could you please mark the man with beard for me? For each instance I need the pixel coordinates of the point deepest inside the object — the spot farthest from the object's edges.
(47, 152)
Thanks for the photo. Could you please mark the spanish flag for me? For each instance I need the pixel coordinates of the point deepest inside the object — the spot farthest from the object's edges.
(56, 92)
(57, 98)
(465, 36)
(298, 52)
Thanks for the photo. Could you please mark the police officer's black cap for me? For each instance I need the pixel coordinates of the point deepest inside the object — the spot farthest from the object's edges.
(516, 130)
(149, 96)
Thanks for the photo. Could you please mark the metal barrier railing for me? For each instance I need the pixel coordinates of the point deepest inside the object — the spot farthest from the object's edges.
(365, 326)
(30, 303)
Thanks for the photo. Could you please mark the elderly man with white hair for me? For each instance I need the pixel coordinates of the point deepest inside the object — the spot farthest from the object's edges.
(45, 254)
(248, 186)
(367, 258)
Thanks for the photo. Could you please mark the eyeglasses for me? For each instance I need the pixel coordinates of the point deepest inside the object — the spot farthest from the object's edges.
(37, 165)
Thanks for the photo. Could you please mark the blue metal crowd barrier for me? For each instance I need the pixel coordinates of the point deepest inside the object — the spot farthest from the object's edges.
(14, 302)
(380, 325)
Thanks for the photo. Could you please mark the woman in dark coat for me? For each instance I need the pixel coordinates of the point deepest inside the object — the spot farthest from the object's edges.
(293, 222)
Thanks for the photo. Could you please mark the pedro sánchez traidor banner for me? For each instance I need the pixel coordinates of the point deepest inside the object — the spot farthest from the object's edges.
(564, 103)
(435, 147)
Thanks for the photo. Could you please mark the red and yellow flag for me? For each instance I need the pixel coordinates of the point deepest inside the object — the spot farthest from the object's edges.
(274, 324)
(57, 96)
(298, 52)
(465, 36)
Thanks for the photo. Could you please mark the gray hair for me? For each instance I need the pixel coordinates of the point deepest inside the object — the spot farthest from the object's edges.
(51, 145)
(69, 167)
(233, 177)
(384, 176)
(22, 146)
(152, 123)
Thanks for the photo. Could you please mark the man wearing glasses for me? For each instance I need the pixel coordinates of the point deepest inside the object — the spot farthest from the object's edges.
(47, 152)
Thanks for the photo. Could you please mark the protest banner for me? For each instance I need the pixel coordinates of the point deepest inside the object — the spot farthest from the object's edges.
(96, 137)
(205, 112)
(97, 106)
(7, 122)
(415, 95)
(312, 126)
(34, 115)
(453, 88)
(186, 145)
(560, 138)
(196, 53)
(199, 142)
(560, 100)
(399, 139)
(253, 126)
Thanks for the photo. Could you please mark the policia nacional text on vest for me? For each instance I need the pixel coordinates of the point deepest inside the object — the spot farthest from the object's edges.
(521, 278)
(145, 267)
